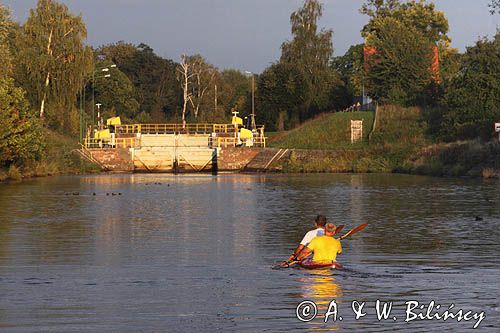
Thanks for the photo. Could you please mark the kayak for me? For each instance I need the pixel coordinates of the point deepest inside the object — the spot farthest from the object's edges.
(310, 264)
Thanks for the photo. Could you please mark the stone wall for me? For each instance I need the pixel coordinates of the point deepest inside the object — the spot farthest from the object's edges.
(235, 159)
(113, 159)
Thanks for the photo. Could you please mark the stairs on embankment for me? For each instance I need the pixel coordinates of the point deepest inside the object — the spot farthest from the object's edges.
(265, 160)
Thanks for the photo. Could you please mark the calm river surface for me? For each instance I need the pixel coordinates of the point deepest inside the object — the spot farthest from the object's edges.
(193, 253)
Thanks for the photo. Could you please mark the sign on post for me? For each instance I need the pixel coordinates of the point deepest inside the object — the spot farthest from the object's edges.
(497, 129)
(356, 130)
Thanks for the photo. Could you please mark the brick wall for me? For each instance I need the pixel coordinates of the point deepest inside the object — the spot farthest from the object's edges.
(235, 159)
(113, 159)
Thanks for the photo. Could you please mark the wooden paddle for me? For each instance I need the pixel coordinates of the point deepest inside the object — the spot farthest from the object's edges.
(355, 230)
(339, 228)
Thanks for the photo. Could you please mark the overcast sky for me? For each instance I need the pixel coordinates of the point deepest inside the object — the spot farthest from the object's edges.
(242, 34)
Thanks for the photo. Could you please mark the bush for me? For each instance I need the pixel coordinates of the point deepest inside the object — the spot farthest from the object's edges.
(14, 173)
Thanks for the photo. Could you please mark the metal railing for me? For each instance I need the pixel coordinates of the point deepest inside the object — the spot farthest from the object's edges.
(175, 128)
(91, 143)
(224, 142)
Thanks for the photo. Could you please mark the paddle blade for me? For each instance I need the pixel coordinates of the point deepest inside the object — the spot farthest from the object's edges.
(339, 228)
(285, 264)
(355, 230)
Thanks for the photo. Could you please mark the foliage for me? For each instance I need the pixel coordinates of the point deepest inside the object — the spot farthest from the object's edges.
(472, 101)
(53, 61)
(154, 79)
(115, 93)
(310, 52)
(20, 135)
(494, 7)
(234, 90)
(5, 56)
(20, 138)
(421, 15)
(282, 90)
(350, 68)
(398, 72)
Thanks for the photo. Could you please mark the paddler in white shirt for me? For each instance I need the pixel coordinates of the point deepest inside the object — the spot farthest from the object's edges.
(319, 224)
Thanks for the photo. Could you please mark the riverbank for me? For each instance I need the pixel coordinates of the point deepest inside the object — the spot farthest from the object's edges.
(460, 159)
(395, 142)
(59, 159)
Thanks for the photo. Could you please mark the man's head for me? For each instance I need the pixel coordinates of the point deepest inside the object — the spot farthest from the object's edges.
(320, 221)
(330, 229)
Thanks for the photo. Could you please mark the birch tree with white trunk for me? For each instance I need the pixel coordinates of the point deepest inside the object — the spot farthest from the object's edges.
(54, 60)
(184, 75)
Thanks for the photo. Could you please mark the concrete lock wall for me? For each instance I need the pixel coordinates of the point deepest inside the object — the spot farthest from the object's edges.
(170, 152)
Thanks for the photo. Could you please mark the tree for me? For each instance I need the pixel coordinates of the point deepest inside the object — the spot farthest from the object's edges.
(153, 77)
(430, 27)
(6, 25)
(185, 75)
(310, 52)
(116, 95)
(20, 136)
(203, 76)
(282, 90)
(421, 15)
(399, 71)
(472, 102)
(350, 68)
(494, 7)
(54, 60)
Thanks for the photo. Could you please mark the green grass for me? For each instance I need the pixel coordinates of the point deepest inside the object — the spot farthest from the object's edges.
(327, 131)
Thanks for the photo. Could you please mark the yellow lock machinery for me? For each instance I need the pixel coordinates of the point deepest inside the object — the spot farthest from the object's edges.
(106, 135)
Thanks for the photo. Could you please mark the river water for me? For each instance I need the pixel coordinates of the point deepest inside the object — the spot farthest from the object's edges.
(193, 253)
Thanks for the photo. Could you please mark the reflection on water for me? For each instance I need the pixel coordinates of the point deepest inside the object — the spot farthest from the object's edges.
(141, 253)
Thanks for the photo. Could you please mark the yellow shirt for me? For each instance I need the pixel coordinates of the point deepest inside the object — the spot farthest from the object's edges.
(325, 248)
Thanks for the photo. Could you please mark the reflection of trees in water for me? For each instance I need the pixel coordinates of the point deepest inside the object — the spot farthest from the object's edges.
(46, 224)
(5, 223)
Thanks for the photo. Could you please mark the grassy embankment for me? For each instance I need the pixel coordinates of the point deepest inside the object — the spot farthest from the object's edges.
(397, 144)
(58, 159)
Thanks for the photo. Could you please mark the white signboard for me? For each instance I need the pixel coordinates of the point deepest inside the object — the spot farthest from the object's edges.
(356, 130)
(497, 127)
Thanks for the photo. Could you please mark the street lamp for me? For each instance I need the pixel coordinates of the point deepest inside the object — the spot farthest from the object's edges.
(253, 100)
(104, 71)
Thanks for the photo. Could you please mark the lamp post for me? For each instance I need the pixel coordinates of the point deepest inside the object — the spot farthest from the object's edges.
(105, 71)
(252, 116)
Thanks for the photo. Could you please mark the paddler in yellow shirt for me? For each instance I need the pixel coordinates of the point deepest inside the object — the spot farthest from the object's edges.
(324, 248)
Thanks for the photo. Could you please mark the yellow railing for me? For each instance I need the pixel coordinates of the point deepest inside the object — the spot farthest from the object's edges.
(175, 128)
(115, 143)
(224, 142)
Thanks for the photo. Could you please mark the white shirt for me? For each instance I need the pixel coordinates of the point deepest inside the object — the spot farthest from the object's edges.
(311, 234)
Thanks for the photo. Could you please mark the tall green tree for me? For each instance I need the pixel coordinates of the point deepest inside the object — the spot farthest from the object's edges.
(350, 68)
(423, 29)
(310, 51)
(399, 71)
(20, 135)
(420, 14)
(154, 78)
(116, 94)
(54, 61)
(233, 90)
(494, 7)
(283, 89)
(472, 101)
